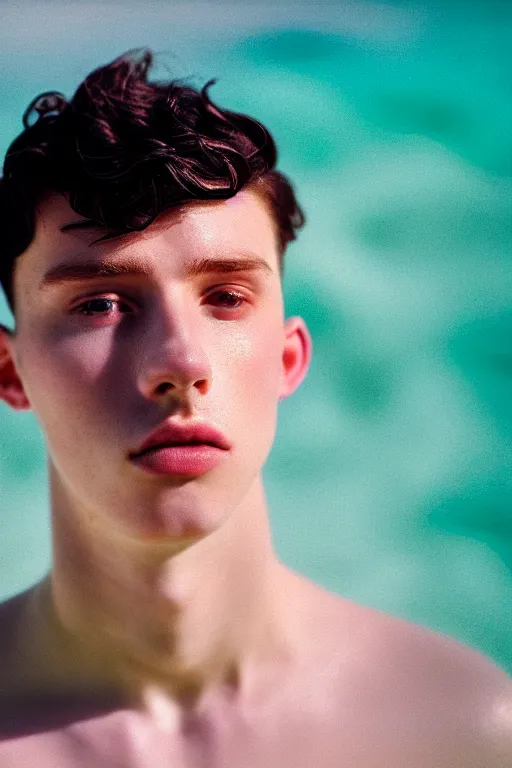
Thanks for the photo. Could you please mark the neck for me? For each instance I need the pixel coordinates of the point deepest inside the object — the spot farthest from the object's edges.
(200, 616)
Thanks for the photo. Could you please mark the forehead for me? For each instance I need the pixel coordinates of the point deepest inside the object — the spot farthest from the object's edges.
(195, 229)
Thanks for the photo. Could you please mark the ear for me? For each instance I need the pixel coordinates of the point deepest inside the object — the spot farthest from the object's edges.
(297, 353)
(11, 388)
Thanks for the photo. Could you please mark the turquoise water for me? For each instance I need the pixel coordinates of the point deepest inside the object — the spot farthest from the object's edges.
(390, 478)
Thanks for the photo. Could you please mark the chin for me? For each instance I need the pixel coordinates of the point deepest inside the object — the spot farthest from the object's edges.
(171, 526)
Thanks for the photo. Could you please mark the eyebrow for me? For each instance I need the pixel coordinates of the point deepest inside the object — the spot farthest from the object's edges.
(88, 270)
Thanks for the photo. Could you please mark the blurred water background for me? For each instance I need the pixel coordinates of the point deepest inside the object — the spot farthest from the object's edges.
(390, 480)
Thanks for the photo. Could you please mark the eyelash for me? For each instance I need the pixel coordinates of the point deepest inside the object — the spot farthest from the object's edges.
(79, 310)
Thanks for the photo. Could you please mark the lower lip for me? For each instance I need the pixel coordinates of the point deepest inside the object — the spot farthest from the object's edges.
(185, 460)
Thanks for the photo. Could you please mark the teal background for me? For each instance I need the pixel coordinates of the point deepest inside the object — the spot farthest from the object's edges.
(390, 478)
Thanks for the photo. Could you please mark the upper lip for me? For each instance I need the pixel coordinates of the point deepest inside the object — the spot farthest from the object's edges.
(177, 434)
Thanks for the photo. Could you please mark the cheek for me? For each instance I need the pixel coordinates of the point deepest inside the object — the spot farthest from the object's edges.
(62, 377)
(255, 367)
(81, 358)
(85, 355)
(70, 397)
(259, 382)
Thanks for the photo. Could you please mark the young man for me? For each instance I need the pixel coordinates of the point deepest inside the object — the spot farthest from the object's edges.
(143, 236)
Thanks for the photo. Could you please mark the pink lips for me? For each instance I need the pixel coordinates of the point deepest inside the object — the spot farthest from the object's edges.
(187, 460)
(189, 449)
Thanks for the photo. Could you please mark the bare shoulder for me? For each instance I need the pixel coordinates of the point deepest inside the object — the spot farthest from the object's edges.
(464, 695)
(450, 692)
(427, 688)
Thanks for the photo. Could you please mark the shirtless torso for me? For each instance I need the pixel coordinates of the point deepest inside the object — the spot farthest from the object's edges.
(365, 690)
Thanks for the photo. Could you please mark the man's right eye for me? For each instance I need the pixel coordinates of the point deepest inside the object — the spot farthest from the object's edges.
(101, 306)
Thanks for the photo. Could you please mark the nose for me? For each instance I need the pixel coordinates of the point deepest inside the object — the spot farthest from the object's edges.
(173, 360)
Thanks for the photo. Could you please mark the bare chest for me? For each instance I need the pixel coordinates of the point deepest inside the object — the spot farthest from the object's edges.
(307, 736)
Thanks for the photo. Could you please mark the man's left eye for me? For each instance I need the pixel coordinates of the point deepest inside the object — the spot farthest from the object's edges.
(234, 299)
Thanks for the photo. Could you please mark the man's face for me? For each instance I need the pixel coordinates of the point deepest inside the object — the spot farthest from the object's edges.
(105, 359)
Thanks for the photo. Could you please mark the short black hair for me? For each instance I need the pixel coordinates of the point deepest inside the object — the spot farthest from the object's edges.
(124, 150)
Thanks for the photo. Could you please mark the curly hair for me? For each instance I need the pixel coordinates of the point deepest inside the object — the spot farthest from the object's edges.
(124, 150)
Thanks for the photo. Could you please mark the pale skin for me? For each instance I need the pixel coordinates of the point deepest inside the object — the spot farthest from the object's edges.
(168, 633)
